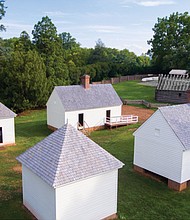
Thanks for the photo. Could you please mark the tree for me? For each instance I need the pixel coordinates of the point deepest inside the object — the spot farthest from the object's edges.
(2, 14)
(68, 41)
(99, 53)
(23, 81)
(45, 36)
(171, 41)
(49, 45)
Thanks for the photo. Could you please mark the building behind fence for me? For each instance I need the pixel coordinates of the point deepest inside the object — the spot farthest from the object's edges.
(173, 89)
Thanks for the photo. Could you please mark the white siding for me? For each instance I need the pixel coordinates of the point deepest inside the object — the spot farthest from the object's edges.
(90, 199)
(157, 148)
(93, 117)
(55, 111)
(186, 166)
(8, 130)
(38, 196)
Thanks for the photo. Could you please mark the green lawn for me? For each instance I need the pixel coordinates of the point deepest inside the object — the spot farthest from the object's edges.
(138, 196)
(30, 129)
(132, 90)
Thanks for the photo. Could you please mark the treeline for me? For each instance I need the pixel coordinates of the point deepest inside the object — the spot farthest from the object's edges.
(30, 68)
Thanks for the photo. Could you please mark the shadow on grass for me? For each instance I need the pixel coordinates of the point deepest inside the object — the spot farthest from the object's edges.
(32, 129)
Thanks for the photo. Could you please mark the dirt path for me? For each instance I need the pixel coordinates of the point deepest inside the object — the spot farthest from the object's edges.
(143, 113)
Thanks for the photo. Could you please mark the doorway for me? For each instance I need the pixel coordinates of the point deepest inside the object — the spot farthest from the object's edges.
(108, 114)
(1, 135)
(81, 119)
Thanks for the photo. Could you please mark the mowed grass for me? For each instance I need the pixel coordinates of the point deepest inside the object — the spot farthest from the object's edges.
(30, 128)
(132, 90)
(138, 196)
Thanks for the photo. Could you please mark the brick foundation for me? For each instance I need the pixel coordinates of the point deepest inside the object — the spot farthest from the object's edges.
(111, 217)
(138, 169)
(52, 128)
(87, 129)
(177, 186)
(7, 144)
(171, 184)
(95, 128)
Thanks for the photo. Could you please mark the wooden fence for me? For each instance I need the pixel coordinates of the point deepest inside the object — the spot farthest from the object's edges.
(143, 102)
(119, 79)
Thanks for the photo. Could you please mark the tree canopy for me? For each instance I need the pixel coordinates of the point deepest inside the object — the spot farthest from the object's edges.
(171, 42)
(30, 68)
(2, 14)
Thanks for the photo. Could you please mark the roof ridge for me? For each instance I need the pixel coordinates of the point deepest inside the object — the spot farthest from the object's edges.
(170, 125)
(68, 155)
(65, 127)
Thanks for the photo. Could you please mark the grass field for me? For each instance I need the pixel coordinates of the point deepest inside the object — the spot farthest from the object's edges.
(138, 196)
(132, 90)
(30, 129)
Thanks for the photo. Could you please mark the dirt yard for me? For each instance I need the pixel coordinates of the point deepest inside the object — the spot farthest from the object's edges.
(143, 113)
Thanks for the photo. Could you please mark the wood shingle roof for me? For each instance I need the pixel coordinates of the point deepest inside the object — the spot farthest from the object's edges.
(178, 118)
(97, 96)
(6, 112)
(67, 155)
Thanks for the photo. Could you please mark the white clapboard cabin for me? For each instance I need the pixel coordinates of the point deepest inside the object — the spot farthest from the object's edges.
(83, 106)
(7, 126)
(162, 145)
(68, 176)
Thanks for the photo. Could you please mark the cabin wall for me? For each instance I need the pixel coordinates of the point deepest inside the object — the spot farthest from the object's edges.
(186, 166)
(8, 131)
(157, 148)
(170, 96)
(92, 117)
(55, 111)
(38, 196)
(93, 198)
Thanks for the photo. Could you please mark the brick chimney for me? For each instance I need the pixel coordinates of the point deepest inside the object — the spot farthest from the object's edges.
(85, 81)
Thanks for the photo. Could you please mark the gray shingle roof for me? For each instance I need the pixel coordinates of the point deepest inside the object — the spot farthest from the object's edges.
(67, 155)
(178, 72)
(178, 117)
(6, 112)
(77, 98)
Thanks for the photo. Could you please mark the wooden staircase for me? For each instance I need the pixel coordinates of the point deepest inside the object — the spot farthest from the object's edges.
(85, 129)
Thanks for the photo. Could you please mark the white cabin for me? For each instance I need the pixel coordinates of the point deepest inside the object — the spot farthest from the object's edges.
(7, 126)
(68, 176)
(82, 106)
(162, 145)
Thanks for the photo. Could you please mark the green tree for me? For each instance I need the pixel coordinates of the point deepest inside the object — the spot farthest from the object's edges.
(48, 43)
(23, 81)
(68, 41)
(170, 45)
(45, 36)
(99, 54)
(2, 14)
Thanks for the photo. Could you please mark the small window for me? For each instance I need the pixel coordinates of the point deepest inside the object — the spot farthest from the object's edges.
(179, 94)
(157, 132)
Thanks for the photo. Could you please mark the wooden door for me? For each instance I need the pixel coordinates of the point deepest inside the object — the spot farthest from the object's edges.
(81, 119)
(108, 114)
(1, 135)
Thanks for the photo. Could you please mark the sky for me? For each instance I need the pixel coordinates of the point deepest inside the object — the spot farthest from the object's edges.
(121, 24)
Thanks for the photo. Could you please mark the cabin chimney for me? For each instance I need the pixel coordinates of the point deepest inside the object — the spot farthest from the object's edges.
(85, 81)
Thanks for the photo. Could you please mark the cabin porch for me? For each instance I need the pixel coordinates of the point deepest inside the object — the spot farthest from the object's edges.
(121, 120)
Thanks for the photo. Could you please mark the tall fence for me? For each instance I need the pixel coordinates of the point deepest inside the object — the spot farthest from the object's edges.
(119, 79)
